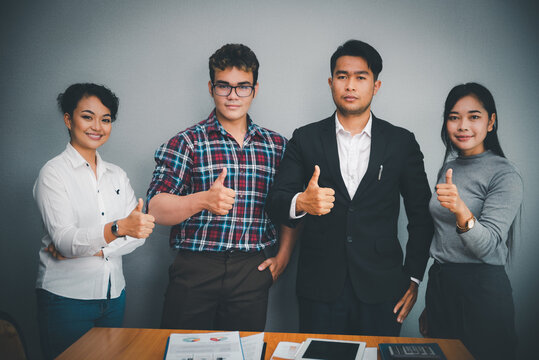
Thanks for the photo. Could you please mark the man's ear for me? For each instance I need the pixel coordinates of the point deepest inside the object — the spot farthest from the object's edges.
(210, 88)
(330, 81)
(255, 92)
(377, 85)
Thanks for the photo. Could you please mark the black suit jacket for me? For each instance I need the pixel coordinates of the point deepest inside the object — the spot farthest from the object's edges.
(359, 235)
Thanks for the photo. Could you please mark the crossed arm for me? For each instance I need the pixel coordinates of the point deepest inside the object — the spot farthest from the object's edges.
(69, 238)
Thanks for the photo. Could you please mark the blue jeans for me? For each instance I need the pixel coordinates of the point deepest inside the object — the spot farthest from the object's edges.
(62, 321)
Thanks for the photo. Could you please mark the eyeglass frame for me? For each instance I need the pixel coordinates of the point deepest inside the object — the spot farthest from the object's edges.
(235, 88)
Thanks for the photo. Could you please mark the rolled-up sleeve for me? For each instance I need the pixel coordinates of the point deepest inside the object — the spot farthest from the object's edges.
(172, 170)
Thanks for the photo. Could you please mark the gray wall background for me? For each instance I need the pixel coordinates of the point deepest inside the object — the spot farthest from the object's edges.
(153, 54)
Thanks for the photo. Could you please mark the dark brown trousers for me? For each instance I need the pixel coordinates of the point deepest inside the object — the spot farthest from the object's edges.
(217, 291)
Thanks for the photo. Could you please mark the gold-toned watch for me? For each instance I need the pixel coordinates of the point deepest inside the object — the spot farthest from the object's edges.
(469, 224)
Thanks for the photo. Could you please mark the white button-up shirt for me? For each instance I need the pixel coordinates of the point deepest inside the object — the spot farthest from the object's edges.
(354, 152)
(75, 206)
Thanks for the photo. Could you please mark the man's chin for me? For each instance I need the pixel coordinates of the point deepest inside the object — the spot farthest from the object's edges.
(231, 116)
(353, 111)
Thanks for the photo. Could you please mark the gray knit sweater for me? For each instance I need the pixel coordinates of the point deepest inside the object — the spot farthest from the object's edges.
(491, 187)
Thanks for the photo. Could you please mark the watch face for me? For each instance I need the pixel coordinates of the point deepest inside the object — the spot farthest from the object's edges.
(470, 223)
(114, 229)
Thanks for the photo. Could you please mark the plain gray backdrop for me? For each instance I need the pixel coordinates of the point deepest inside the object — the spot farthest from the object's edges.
(154, 55)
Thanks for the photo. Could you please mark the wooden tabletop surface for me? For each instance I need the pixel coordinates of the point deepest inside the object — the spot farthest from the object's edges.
(130, 343)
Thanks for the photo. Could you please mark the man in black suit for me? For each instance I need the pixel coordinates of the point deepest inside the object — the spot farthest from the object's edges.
(342, 177)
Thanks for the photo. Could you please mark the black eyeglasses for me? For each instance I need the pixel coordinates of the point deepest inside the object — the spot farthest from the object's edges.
(226, 90)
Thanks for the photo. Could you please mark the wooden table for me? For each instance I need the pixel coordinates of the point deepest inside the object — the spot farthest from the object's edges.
(126, 343)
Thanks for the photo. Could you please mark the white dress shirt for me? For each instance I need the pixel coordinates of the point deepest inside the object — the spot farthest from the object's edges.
(354, 152)
(74, 207)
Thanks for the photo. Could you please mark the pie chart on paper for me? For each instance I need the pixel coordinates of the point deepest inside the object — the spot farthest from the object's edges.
(218, 338)
(191, 339)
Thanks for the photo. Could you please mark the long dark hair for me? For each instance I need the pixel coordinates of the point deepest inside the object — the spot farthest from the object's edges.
(491, 141)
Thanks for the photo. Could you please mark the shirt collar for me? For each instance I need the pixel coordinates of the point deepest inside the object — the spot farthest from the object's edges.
(76, 159)
(340, 129)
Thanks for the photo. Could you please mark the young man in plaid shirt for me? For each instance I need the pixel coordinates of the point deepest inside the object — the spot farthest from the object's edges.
(210, 184)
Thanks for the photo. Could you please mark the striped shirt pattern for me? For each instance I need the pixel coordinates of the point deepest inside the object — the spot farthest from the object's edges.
(192, 160)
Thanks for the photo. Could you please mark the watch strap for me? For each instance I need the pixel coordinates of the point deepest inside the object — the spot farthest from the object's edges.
(467, 226)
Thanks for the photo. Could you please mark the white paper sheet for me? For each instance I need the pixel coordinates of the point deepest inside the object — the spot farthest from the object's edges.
(204, 346)
(252, 346)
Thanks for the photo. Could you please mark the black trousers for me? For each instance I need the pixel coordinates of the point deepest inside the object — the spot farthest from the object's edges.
(217, 291)
(348, 315)
(473, 303)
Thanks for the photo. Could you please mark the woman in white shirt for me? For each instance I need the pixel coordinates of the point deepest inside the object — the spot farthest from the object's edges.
(91, 218)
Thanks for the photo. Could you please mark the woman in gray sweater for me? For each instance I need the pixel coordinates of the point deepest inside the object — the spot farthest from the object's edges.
(477, 199)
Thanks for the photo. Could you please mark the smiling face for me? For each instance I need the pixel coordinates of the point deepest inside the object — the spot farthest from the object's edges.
(468, 124)
(232, 108)
(352, 86)
(89, 126)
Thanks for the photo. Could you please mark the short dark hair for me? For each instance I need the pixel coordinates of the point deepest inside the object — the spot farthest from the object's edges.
(234, 55)
(360, 49)
(69, 99)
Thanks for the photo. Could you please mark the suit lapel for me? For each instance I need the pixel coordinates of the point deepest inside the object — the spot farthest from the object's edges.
(329, 145)
(376, 157)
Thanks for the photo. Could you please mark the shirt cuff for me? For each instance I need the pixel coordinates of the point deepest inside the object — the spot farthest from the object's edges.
(418, 282)
(292, 213)
(97, 238)
(105, 251)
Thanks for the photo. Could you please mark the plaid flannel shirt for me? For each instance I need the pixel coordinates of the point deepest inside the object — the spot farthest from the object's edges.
(192, 160)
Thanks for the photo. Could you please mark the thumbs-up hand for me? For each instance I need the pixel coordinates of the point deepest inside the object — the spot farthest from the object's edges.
(315, 200)
(448, 194)
(449, 176)
(219, 199)
(140, 205)
(137, 224)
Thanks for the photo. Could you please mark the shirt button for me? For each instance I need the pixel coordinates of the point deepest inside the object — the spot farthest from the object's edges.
(103, 213)
(349, 239)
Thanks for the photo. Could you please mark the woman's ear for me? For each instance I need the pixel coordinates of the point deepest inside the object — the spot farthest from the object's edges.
(491, 122)
(67, 121)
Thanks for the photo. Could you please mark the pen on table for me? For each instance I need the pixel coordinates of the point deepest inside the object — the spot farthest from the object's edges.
(380, 172)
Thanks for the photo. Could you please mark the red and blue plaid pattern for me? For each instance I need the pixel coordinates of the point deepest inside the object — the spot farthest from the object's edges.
(192, 160)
